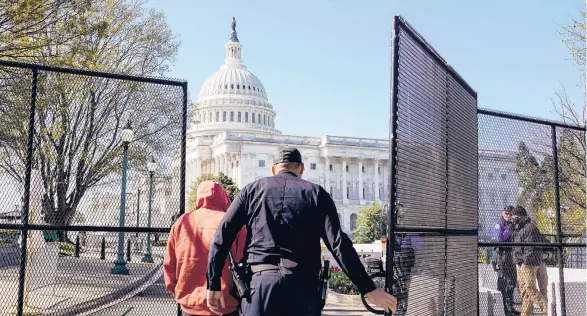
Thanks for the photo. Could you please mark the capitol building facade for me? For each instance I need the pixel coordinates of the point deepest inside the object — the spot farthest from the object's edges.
(233, 131)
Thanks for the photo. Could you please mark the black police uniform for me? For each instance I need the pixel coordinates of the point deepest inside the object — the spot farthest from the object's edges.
(285, 217)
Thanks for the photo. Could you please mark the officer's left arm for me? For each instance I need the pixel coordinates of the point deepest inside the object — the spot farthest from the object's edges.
(234, 219)
(341, 246)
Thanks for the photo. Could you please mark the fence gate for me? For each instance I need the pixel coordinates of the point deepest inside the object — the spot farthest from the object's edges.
(433, 199)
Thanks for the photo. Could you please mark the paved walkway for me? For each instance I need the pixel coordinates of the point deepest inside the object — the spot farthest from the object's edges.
(9, 256)
(80, 284)
(345, 310)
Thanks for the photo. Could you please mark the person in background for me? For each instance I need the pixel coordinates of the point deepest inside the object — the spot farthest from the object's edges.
(504, 262)
(186, 256)
(529, 261)
(405, 246)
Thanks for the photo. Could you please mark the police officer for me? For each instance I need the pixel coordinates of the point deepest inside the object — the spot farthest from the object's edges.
(285, 218)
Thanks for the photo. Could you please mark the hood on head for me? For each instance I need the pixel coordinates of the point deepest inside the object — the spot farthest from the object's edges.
(211, 195)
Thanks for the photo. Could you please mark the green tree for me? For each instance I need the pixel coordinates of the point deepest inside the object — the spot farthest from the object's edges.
(536, 174)
(536, 180)
(371, 224)
(573, 37)
(229, 185)
(78, 118)
(28, 25)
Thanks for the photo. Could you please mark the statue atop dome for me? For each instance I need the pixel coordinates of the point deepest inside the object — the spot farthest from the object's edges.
(233, 37)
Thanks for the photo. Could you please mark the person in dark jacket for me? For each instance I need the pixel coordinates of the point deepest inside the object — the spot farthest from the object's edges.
(505, 266)
(285, 217)
(404, 258)
(529, 260)
(402, 266)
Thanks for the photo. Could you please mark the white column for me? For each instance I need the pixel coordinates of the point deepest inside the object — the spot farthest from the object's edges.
(385, 184)
(345, 199)
(361, 195)
(188, 174)
(220, 167)
(227, 164)
(233, 164)
(198, 167)
(376, 177)
(250, 177)
(327, 175)
(239, 175)
(194, 169)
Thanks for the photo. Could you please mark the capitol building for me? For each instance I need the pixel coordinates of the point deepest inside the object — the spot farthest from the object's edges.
(233, 131)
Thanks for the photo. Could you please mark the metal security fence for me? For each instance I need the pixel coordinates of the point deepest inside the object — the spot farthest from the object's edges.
(92, 171)
(539, 165)
(433, 181)
(453, 170)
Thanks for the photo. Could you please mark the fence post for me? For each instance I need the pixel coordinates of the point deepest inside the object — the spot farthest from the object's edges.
(26, 200)
(103, 249)
(391, 198)
(557, 200)
(182, 160)
(77, 246)
(128, 250)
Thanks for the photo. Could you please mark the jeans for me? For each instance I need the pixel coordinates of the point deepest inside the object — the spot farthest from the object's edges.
(530, 295)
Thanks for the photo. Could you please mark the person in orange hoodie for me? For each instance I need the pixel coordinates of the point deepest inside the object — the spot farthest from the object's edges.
(186, 256)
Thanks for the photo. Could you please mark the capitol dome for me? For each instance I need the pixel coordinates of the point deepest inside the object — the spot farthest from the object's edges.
(232, 80)
(233, 98)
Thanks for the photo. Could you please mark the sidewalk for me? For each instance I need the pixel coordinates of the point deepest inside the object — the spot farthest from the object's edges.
(345, 310)
(81, 284)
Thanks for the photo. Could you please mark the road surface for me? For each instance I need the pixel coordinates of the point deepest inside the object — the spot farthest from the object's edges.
(155, 300)
(9, 256)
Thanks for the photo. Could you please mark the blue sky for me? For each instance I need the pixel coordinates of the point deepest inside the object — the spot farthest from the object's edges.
(325, 64)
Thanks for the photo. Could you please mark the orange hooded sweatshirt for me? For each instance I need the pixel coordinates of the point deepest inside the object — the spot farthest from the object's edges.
(186, 256)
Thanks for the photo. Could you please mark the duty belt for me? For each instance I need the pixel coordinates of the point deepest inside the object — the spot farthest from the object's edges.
(264, 267)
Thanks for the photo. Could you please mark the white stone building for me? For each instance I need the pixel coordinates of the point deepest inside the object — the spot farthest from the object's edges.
(498, 187)
(234, 133)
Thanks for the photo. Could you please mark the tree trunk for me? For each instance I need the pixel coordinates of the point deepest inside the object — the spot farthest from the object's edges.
(58, 216)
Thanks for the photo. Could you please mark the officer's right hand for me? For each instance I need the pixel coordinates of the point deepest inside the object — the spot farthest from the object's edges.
(382, 299)
(215, 299)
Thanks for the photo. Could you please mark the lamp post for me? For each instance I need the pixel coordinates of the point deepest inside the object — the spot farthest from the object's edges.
(138, 208)
(152, 167)
(126, 137)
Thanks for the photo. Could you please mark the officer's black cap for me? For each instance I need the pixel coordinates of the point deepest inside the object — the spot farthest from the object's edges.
(287, 154)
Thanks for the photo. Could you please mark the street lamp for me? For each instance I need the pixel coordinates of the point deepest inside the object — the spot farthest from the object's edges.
(152, 167)
(126, 136)
(138, 210)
